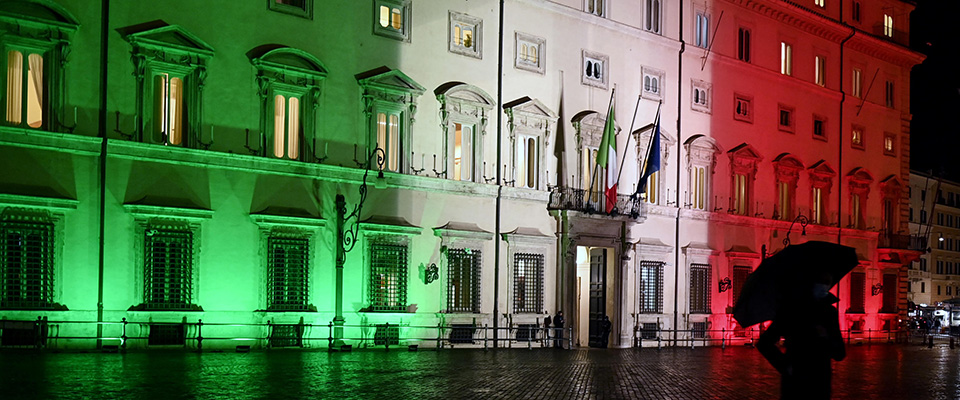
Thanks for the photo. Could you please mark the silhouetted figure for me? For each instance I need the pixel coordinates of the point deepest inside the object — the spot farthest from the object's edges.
(546, 328)
(811, 331)
(558, 324)
(605, 326)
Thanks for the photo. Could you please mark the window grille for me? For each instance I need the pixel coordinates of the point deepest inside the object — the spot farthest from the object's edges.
(740, 274)
(386, 334)
(388, 276)
(26, 252)
(168, 279)
(699, 330)
(890, 293)
(857, 281)
(651, 287)
(700, 289)
(461, 333)
(463, 280)
(528, 283)
(648, 331)
(166, 334)
(288, 262)
(286, 335)
(527, 332)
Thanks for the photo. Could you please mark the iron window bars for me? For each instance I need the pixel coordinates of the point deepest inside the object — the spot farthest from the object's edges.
(26, 253)
(528, 283)
(651, 287)
(699, 288)
(168, 275)
(288, 262)
(388, 276)
(463, 280)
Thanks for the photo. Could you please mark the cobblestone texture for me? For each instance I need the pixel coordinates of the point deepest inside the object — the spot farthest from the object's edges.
(875, 372)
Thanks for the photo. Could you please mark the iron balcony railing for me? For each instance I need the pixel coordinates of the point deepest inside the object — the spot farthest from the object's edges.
(902, 242)
(565, 198)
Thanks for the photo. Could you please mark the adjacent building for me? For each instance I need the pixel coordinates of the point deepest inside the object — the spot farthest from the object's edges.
(311, 173)
(935, 215)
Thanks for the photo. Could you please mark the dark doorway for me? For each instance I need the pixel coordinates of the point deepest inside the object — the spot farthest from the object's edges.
(598, 293)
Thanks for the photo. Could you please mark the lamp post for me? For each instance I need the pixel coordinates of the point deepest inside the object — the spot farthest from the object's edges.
(347, 236)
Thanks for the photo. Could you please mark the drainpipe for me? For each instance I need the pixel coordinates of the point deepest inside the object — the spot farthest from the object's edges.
(843, 99)
(102, 128)
(496, 236)
(676, 243)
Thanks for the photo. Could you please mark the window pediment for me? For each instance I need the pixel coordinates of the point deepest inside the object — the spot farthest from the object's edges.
(390, 81)
(821, 174)
(461, 230)
(464, 95)
(589, 126)
(45, 19)
(702, 150)
(744, 159)
(287, 60)
(643, 135)
(891, 187)
(787, 167)
(170, 38)
(860, 180)
(529, 115)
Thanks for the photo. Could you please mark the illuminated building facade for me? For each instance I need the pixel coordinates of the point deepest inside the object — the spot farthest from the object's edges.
(164, 167)
(934, 205)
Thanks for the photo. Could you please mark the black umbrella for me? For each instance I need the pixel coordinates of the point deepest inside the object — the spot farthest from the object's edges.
(786, 276)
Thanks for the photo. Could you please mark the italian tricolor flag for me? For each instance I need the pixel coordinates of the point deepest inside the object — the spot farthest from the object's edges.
(607, 158)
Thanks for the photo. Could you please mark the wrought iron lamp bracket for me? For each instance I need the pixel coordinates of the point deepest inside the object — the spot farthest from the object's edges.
(351, 230)
(804, 221)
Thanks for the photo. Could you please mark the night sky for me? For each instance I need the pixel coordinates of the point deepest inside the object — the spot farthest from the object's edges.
(935, 91)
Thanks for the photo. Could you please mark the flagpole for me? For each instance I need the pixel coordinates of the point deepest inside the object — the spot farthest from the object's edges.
(597, 165)
(629, 134)
(656, 122)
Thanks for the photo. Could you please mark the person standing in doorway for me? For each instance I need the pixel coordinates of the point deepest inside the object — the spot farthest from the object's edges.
(558, 335)
(605, 327)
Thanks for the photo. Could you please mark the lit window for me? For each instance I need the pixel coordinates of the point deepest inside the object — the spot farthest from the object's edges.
(594, 70)
(589, 166)
(702, 30)
(25, 89)
(462, 152)
(286, 127)
(741, 195)
(651, 21)
(820, 3)
(743, 44)
(888, 94)
(888, 144)
(288, 110)
(388, 138)
(530, 53)
(463, 280)
(391, 19)
(784, 201)
(820, 70)
(390, 116)
(527, 162)
(528, 282)
(887, 25)
(595, 7)
(300, 8)
(702, 156)
(856, 137)
(168, 104)
(786, 58)
(466, 33)
(465, 109)
(699, 198)
(742, 108)
(855, 212)
(857, 82)
(818, 203)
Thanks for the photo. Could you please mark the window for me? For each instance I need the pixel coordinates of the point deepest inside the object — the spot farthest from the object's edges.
(819, 128)
(530, 53)
(593, 186)
(288, 111)
(821, 180)
(529, 122)
(300, 8)
(527, 162)
(34, 47)
(888, 94)
(743, 110)
(743, 44)
(170, 67)
(463, 280)
(786, 58)
(390, 116)
(819, 70)
(651, 16)
(699, 288)
(595, 7)
(785, 122)
(465, 110)
(168, 267)
(702, 159)
(855, 12)
(288, 262)
(527, 283)
(741, 195)
(856, 137)
(466, 35)
(857, 82)
(702, 30)
(699, 198)
(889, 144)
(652, 190)
(652, 83)
(784, 201)
(859, 187)
(820, 3)
(940, 262)
(857, 289)
(388, 275)
(26, 261)
(923, 287)
(887, 25)
(856, 212)
(701, 94)
(651, 287)
(818, 204)
(594, 68)
(743, 162)
(392, 19)
(740, 273)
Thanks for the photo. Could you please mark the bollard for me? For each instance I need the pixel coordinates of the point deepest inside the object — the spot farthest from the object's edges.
(484, 336)
(386, 341)
(930, 342)
(439, 333)
(570, 338)
(951, 342)
(123, 335)
(199, 335)
(723, 338)
(330, 336)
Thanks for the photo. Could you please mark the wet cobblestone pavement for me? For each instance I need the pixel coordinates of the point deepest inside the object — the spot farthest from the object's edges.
(874, 372)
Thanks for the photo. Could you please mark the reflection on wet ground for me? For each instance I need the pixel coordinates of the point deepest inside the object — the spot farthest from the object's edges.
(879, 371)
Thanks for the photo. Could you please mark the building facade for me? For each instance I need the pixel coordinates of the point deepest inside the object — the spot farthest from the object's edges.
(266, 172)
(934, 215)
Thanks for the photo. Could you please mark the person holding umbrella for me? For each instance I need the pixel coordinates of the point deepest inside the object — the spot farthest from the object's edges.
(792, 289)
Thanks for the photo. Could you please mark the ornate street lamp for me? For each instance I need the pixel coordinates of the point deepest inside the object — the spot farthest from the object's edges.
(347, 234)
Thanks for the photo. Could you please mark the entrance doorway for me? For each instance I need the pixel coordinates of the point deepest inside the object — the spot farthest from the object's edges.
(594, 297)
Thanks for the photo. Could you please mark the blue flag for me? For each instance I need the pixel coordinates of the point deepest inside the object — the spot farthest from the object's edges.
(653, 158)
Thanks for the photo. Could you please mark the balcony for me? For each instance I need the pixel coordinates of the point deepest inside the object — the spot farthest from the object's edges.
(564, 198)
(902, 242)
